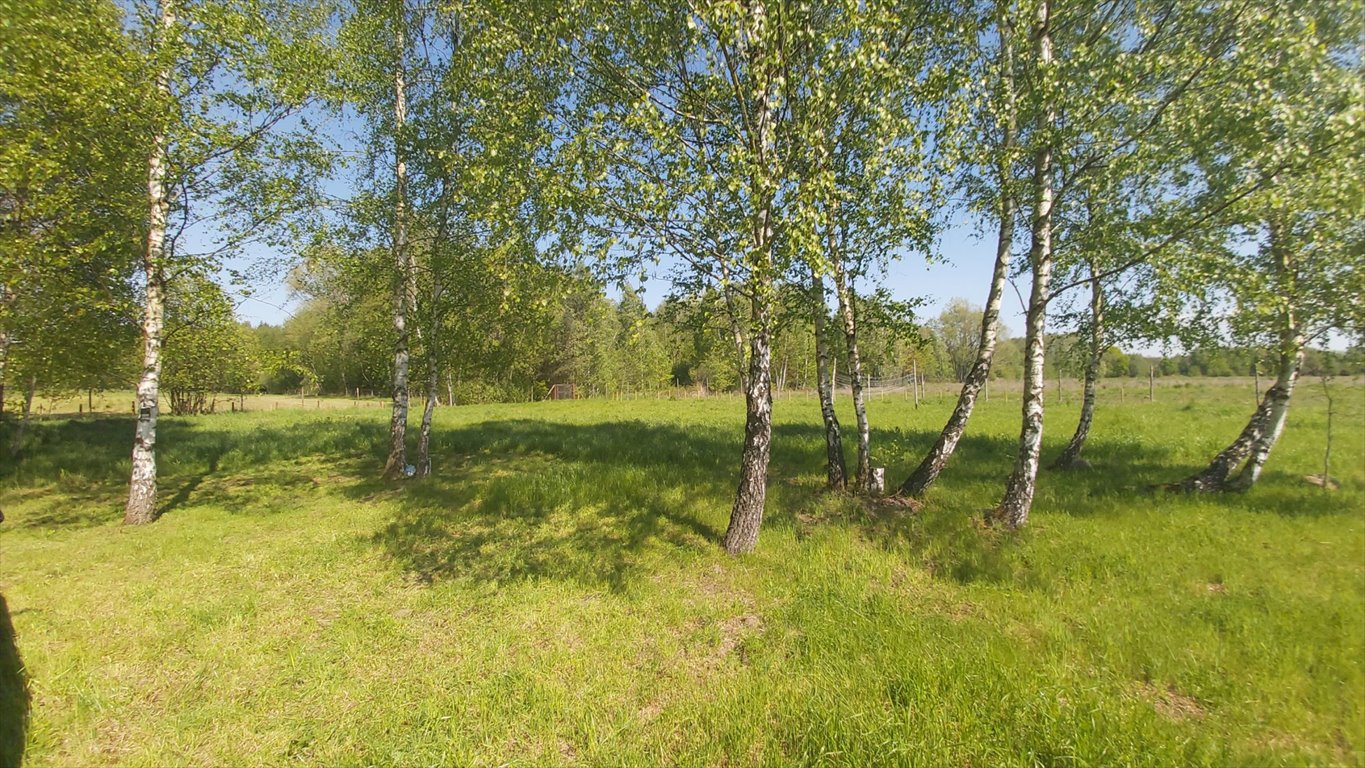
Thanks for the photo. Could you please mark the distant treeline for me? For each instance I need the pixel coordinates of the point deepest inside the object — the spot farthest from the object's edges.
(339, 343)
(607, 347)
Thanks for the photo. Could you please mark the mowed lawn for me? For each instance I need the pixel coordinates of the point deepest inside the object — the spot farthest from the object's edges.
(557, 595)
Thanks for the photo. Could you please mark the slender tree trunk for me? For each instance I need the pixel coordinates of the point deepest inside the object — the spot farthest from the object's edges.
(433, 385)
(1259, 436)
(141, 506)
(1214, 477)
(404, 291)
(933, 463)
(4, 360)
(1018, 498)
(1071, 456)
(836, 470)
(977, 378)
(17, 441)
(7, 298)
(1290, 362)
(1290, 365)
(863, 477)
(424, 442)
(747, 514)
(736, 332)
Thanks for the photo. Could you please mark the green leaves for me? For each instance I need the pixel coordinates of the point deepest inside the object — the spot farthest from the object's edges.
(72, 170)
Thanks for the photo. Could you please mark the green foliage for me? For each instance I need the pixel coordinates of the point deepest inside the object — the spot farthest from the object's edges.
(206, 350)
(72, 171)
(1279, 141)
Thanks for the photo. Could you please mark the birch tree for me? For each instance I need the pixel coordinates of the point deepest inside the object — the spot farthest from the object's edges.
(221, 168)
(1292, 272)
(1019, 488)
(993, 149)
(683, 114)
(836, 470)
(472, 144)
(1099, 89)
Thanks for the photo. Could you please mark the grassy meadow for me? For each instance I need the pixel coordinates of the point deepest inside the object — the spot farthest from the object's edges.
(556, 594)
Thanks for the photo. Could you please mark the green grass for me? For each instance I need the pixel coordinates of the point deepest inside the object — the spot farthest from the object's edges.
(557, 595)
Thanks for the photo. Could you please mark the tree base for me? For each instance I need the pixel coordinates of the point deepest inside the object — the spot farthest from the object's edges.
(1071, 465)
(1199, 484)
(1326, 483)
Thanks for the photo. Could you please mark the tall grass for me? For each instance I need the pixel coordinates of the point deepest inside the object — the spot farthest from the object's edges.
(555, 594)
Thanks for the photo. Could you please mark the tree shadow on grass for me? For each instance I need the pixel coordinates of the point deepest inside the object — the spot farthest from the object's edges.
(520, 499)
(98, 450)
(950, 532)
(516, 500)
(526, 499)
(14, 693)
(182, 495)
(200, 460)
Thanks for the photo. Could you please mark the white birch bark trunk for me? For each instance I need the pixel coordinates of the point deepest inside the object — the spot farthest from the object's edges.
(1070, 457)
(1278, 412)
(424, 441)
(433, 384)
(937, 458)
(836, 470)
(4, 360)
(1263, 430)
(1290, 362)
(1215, 476)
(141, 506)
(1019, 489)
(404, 291)
(978, 377)
(7, 299)
(746, 517)
(863, 475)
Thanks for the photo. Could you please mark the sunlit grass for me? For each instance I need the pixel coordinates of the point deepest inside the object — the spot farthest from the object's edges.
(556, 595)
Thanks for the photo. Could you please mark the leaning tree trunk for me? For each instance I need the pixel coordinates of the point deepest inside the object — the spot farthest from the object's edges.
(4, 360)
(141, 506)
(836, 470)
(1290, 364)
(1256, 439)
(1261, 433)
(405, 290)
(863, 477)
(747, 514)
(933, 463)
(1291, 360)
(1018, 499)
(424, 441)
(1071, 456)
(1215, 476)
